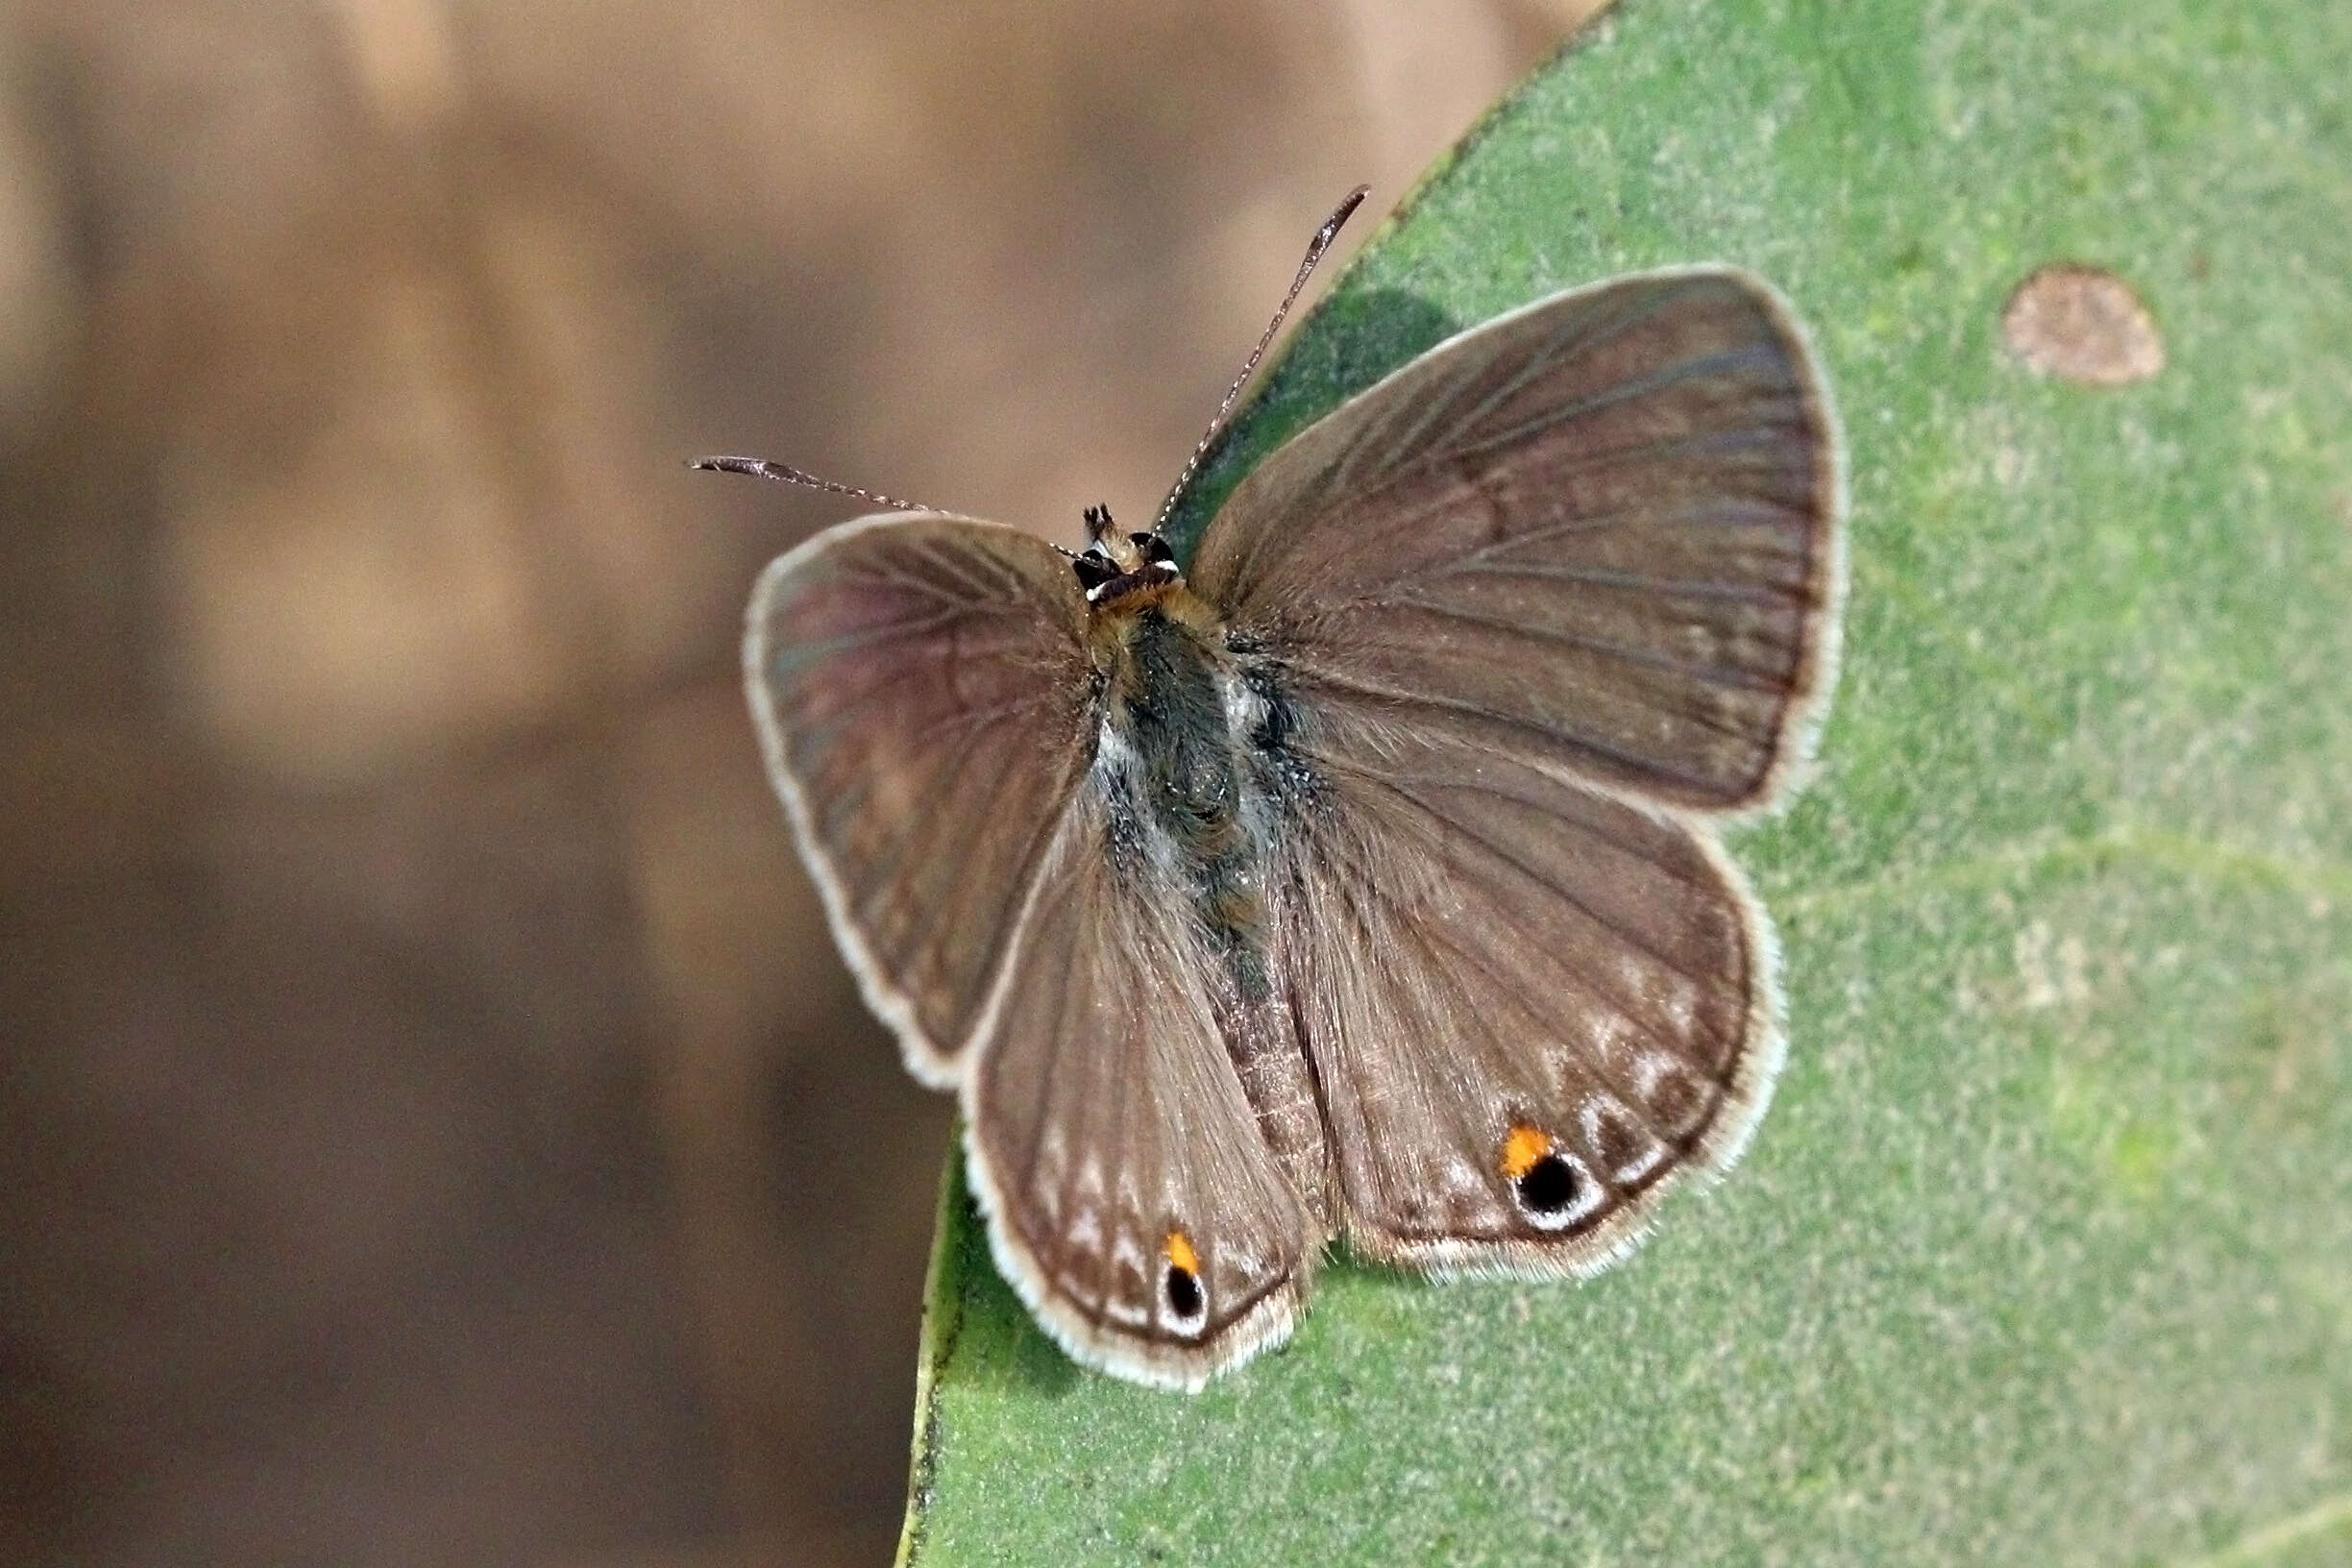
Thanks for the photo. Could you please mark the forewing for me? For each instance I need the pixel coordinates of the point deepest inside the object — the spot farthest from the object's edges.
(1496, 971)
(924, 700)
(1105, 1121)
(1601, 531)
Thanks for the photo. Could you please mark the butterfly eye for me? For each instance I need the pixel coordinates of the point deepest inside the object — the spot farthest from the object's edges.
(1550, 1190)
(1094, 571)
(1182, 1287)
(1153, 549)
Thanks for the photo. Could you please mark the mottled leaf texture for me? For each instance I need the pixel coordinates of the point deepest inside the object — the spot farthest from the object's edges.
(1105, 1118)
(1589, 531)
(902, 669)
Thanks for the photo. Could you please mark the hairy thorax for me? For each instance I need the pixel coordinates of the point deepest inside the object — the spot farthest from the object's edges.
(1188, 811)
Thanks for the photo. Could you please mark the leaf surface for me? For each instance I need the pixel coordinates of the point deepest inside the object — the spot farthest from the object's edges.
(2043, 1251)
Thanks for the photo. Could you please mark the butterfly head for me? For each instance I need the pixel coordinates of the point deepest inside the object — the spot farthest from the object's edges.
(1122, 569)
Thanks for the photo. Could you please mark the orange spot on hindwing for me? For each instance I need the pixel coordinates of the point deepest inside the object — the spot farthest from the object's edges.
(1522, 1149)
(1187, 1303)
(1549, 1187)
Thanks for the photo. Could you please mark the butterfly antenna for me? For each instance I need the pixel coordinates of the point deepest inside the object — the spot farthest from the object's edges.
(761, 468)
(1315, 248)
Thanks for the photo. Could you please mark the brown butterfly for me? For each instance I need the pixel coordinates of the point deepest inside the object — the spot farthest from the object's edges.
(1359, 877)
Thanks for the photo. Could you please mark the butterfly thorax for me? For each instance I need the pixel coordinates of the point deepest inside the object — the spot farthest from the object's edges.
(1170, 761)
(1175, 740)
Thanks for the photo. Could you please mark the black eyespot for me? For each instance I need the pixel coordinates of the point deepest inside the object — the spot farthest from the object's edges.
(1184, 1292)
(1548, 1187)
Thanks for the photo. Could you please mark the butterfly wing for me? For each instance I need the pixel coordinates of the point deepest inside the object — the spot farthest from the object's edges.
(1600, 534)
(1132, 1199)
(1527, 613)
(929, 708)
(1531, 1007)
(899, 668)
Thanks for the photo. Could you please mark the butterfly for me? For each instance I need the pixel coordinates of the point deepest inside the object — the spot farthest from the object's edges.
(1358, 878)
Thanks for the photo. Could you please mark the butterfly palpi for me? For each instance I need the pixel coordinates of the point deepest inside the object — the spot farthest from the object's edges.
(1359, 877)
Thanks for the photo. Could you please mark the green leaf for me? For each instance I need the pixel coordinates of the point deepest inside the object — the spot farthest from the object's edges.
(2043, 1251)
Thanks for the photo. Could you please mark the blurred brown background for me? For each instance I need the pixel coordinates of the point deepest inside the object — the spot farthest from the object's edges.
(433, 1124)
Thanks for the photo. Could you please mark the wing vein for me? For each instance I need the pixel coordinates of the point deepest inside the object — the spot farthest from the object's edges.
(1324, 674)
(1529, 874)
(1622, 652)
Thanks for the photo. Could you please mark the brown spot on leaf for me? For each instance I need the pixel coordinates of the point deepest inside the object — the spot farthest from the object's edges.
(2082, 324)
